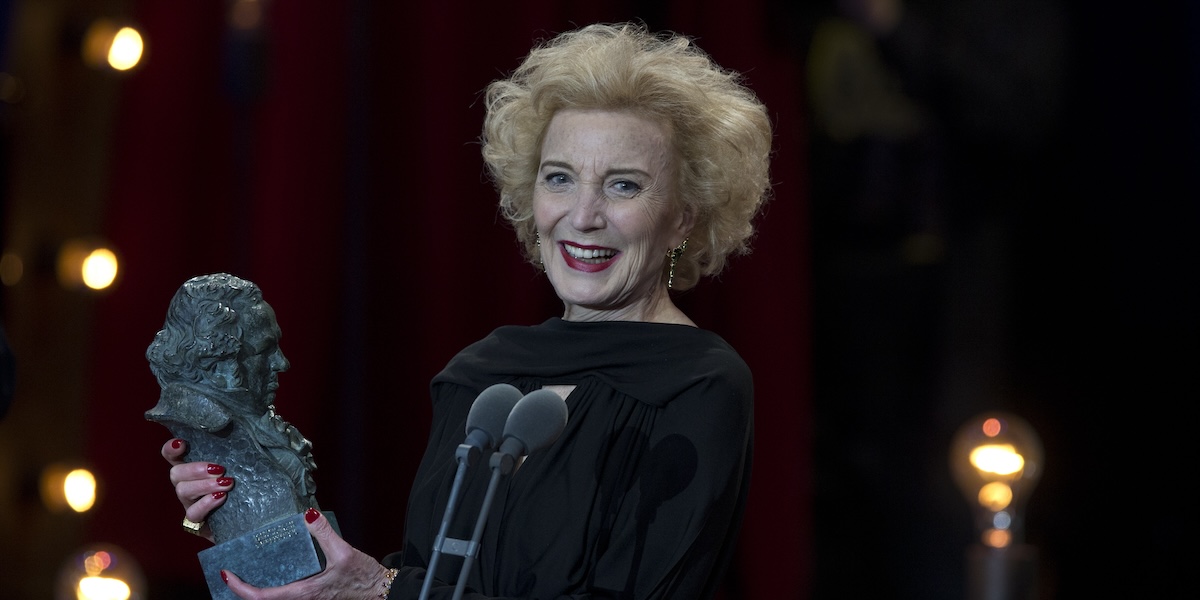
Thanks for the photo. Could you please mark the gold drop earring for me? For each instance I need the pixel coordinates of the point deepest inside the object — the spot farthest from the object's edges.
(674, 255)
(537, 241)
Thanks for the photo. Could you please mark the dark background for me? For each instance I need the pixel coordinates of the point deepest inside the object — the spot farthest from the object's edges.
(1024, 242)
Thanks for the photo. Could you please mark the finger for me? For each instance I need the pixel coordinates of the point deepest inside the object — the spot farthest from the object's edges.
(174, 450)
(332, 544)
(196, 471)
(240, 588)
(291, 591)
(199, 510)
(190, 492)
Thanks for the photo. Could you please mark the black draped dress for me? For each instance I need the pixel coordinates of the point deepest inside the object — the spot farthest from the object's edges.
(640, 497)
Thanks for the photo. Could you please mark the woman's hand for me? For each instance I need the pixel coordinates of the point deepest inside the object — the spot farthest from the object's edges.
(201, 487)
(348, 575)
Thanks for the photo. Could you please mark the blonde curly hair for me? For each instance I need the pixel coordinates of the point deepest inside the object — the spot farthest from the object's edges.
(720, 131)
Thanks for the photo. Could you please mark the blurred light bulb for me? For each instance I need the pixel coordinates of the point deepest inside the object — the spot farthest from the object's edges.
(99, 268)
(103, 588)
(87, 262)
(101, 572)
(79, 487)
(125, 52)
(996, 460)
(64, 487)
(107, 44)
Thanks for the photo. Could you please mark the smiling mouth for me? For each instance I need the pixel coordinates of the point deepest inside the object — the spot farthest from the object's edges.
(587, 260)
(593, 256)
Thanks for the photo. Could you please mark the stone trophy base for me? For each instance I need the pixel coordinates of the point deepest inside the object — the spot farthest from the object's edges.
(274, 554)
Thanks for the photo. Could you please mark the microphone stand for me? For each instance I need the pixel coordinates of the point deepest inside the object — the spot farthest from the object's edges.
(525, 422)
(473, 548)
(465, 455)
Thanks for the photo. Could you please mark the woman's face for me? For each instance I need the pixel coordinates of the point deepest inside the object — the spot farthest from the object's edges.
(605, 209)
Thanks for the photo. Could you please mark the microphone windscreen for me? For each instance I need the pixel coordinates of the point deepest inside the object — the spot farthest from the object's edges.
(537, 420)
(490, 410)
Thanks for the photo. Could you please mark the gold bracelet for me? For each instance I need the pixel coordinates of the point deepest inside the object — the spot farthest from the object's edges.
(388, 578)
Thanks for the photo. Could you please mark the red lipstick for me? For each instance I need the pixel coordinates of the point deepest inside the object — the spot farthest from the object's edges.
(586, 265)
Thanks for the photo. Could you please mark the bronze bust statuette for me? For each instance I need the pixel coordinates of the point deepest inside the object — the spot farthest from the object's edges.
(217, 361)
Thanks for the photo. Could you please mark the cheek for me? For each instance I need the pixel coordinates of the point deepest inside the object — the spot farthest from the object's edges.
(545, 213)
(646, 224)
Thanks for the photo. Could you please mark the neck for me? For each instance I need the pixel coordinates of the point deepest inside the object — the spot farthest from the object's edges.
(656, 308)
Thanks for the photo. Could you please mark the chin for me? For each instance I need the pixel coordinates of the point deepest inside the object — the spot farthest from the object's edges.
(585, 298)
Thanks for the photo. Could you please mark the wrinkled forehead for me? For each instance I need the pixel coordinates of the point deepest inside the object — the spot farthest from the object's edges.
(601, 139)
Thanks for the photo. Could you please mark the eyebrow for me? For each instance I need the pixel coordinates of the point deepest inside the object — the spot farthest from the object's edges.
(627, 171)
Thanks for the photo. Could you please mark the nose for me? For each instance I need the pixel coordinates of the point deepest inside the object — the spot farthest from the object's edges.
(279, 362)
(587, 213)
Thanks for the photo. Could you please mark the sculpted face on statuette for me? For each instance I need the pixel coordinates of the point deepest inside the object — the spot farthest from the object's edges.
(217, 361)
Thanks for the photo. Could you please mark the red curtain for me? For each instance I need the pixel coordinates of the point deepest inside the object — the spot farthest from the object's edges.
(331, 156)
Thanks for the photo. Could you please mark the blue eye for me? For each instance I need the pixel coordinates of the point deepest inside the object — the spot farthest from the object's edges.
(626, 188)
(557, 179)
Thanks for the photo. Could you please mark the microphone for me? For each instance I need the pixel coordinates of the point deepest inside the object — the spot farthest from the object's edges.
(534, 423)
(488, 414)
(485, 424)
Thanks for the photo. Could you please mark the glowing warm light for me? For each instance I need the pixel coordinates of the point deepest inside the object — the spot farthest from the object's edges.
(99, 269)
(996, 461)
(999, 459)
(100, 572)
(995, 496)
(997, 538)
(105, 44)
(126, 49)
(79, 487)
(87, 262)
(12, 268)
(992, 427)
(96, 562)
(102, 588)
(63, 487)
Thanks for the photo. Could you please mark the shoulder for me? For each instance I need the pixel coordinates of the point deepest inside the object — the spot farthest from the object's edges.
(701, 362)
(652, 362)
(481, 363)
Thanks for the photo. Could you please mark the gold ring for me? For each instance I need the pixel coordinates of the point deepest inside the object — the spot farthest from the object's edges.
(192, 527)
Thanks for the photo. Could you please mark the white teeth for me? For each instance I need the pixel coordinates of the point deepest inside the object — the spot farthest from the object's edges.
(581, 253)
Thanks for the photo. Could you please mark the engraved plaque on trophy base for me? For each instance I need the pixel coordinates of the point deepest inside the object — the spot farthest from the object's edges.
(274, 554)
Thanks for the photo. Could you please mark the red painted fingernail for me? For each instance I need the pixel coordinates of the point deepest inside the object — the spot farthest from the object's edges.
(225, 481)
(218, 495)
(176, 444)
(311, 515)
(216, 470)
(224, 576)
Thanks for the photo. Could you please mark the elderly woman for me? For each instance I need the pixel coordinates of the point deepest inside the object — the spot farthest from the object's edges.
(629, 165)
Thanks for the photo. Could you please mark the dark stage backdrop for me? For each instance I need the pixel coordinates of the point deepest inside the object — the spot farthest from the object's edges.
(332, 158)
